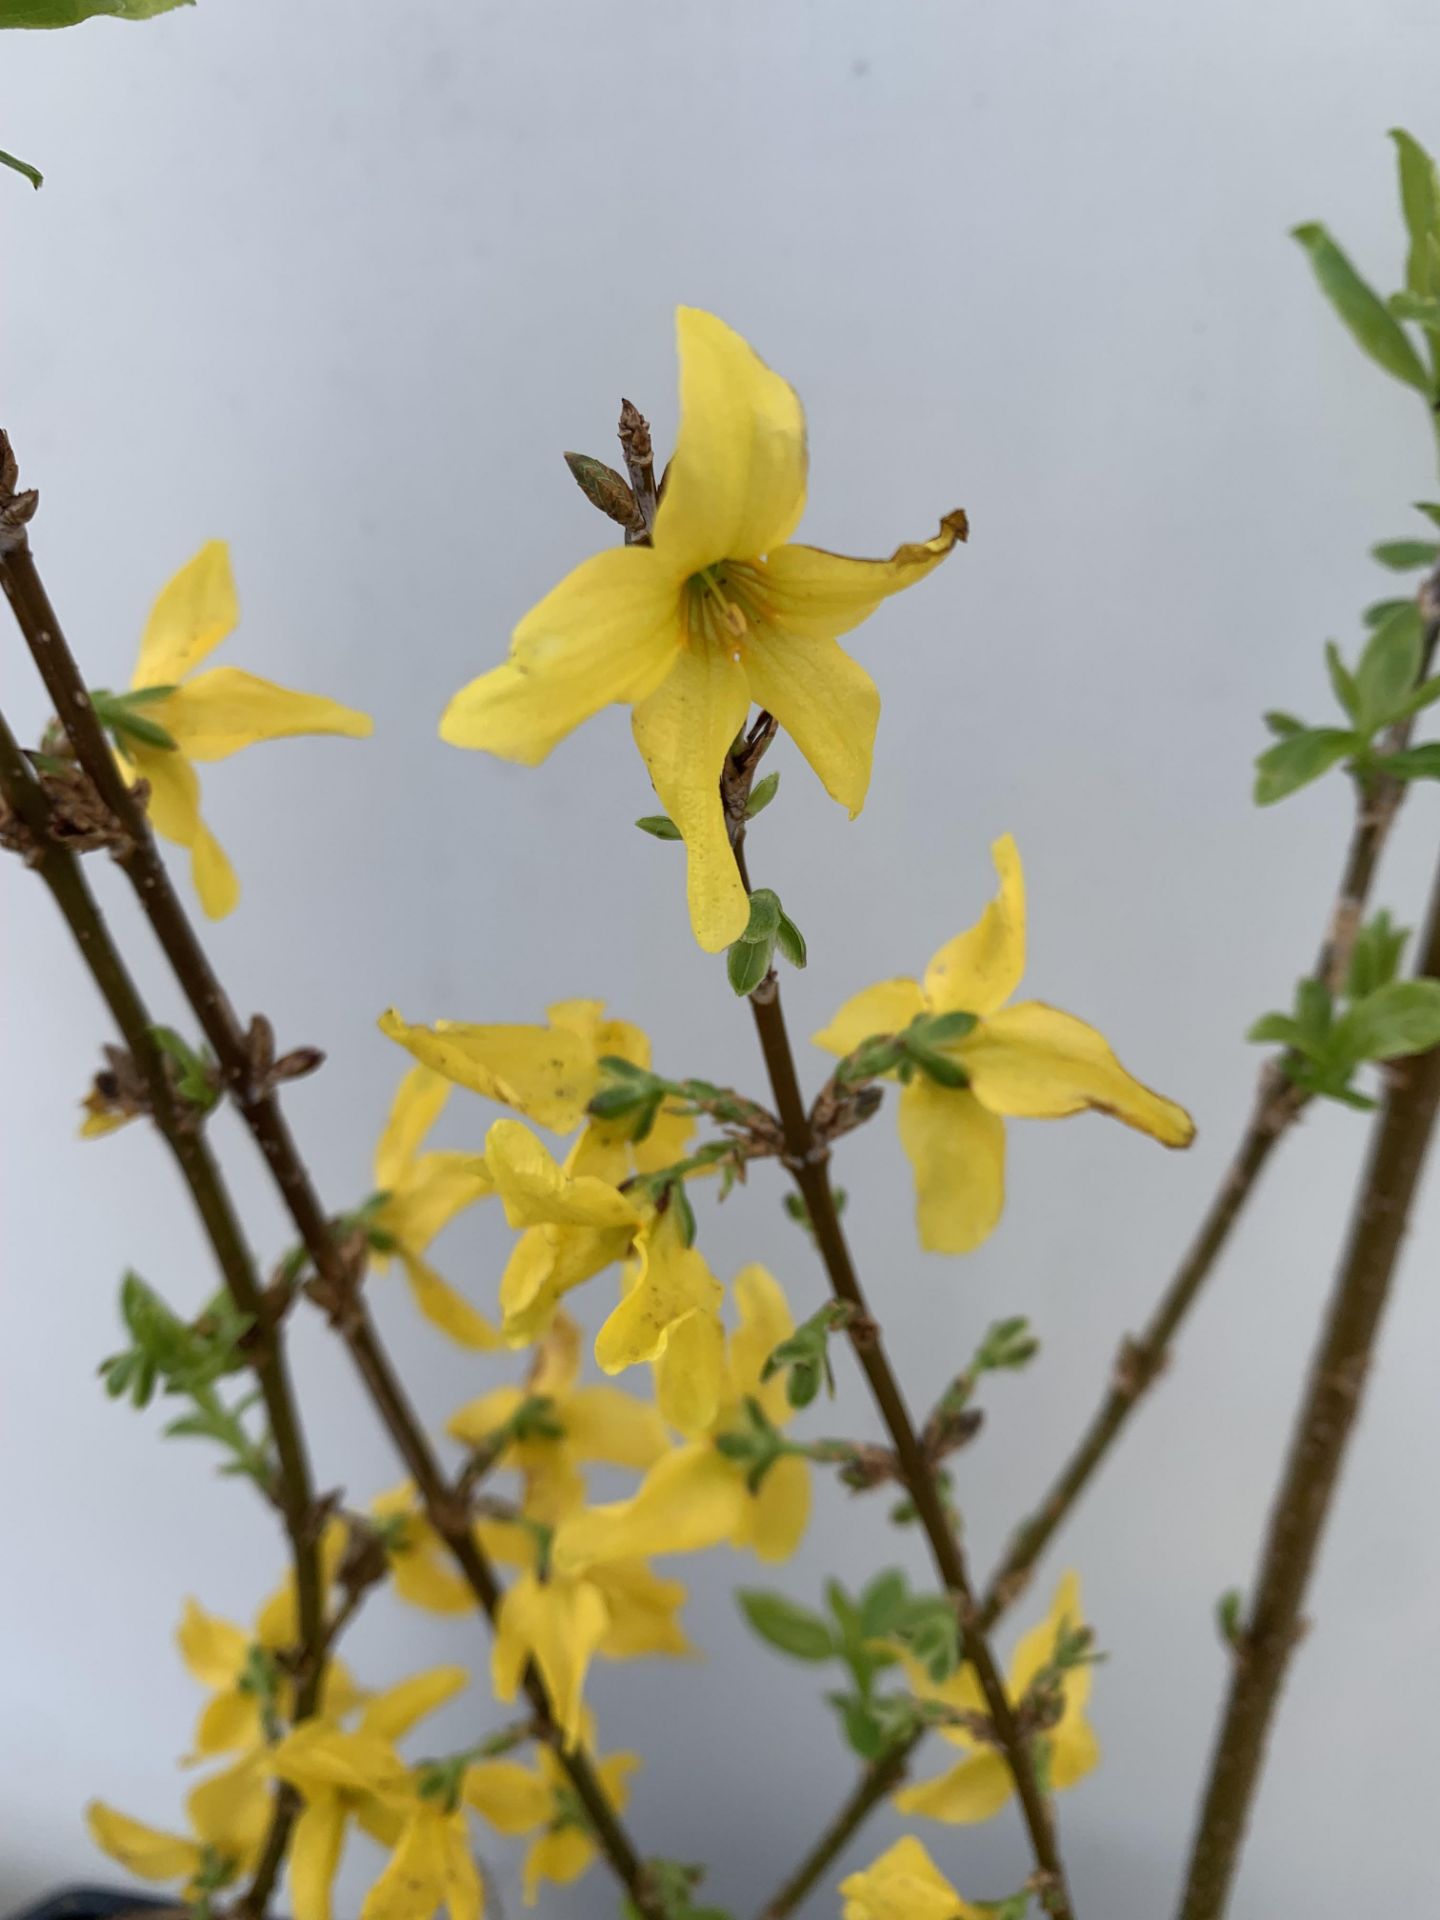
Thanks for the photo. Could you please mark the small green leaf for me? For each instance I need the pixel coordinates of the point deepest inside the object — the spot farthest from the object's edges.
(1293, 763)
(659, 826)
(1430, 508)
(790, 941)
(1396, 1020)
(766, 914)
(761, 794)
(1342, 681)
(1422, 309)
(1375, 957)
(1404, 556)
(1387, 669)
(786, 1625)
(1279, 1029)
(1227, 1616)
(882, 1603)
(1282, 725)
(70, 13)
(746, 965)
(1415, 763)
(17, 165)
(1420, 202)
(1379, 610)
(1364, 313)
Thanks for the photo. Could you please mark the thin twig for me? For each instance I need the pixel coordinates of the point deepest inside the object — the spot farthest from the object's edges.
(806, 1158)
(878, 1781)
(262, 1114)
(294, 1491)
(1326, 1420)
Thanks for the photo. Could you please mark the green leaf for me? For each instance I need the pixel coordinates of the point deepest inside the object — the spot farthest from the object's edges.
(1342, 681)
(70, 13)
(746, 965)
(790, 941)
(761, 794)
(1279, 1029)
(1400, 1019)
(1294, 762)
(659, 826)
(1387, 669)
(1420, 201)
(1404, 556)
(1379, 610)
(1282, 725)
(1425, 695)
(1375, 957)
(1364, 313)
(1415, 763)
(16, 165)
(1430, 508)
(786, 1625)
(766, 914)
(863, 1731)
(1228, 1611)
(882, 1603)
(1423, 310)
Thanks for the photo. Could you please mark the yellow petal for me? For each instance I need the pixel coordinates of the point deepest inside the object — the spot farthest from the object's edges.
(437, 1187)
(979, 969)
(218, 713)
(230, 1723)
(557, 1623)
(479, 1418)
(1074, 1752)
(314, 1756)
(824, 700)
(667, 1141)
(690, 1372)
(231, 1810)
(544, 1073)
(887, 1007)
(1036, 1063)
(536, 1192)
(684, 730)
(736, 485)
(607, 633)
(776, 1517)
(191, 616)
(394, 1712)
(444, 1308)
(464, 1889)
(603, 1423)
(903, 1884)
(174, 811)
(417, 1105)
(214, 1650)
(957, 1150)
(765, 1320)
(425, 1579)
(807, 591)
(693, 1498)
(315, 1854)
(561, 1856)
(412, 1883)
(556, 1365)
(514, 1799)
(668, 1282)
(144, 1851)
(615, 1772)
(970, 1792)
(644, 1611)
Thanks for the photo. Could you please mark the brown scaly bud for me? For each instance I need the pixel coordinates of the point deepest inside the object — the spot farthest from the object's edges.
(17, 508)
(117, 1094)
(639, 451)
(266, 1072)
(604, 488)
(364, 1562)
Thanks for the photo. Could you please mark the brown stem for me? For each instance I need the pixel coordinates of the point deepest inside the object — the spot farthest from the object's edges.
(294, 1490)
(876, 1784)
(1327, 1416)
(262, 1114)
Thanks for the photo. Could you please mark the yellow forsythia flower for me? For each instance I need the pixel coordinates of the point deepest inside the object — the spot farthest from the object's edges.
(582, 1424)
(210, 715)
(550, 1074)
(540, 1800)
(359, 1776)
(721, 610)
(422, 1570)
(423, 1193)
(669, 1316)
(695, 1496)
(982, 1782)
(1028, 1061)
(903, 1884)
(218, 1654)
(229, 1816)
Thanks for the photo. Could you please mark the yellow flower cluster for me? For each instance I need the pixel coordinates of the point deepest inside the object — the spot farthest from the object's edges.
(720, 609)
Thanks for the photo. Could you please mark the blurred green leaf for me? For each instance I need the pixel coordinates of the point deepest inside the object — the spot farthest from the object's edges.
(1298, 759)
(70, 13)
(1342, 681)
(1415, 763)
(16, 165)
(659, 826)
(1369, 320)
(1404, 556)
(786, 1625)
(1387, 669)
(1420, 199)
(1398, 1019)
(761, 794)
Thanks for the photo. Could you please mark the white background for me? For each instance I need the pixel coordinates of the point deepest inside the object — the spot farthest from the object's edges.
(340, 283)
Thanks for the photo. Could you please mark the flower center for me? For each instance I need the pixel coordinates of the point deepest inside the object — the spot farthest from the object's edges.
(722, 604)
